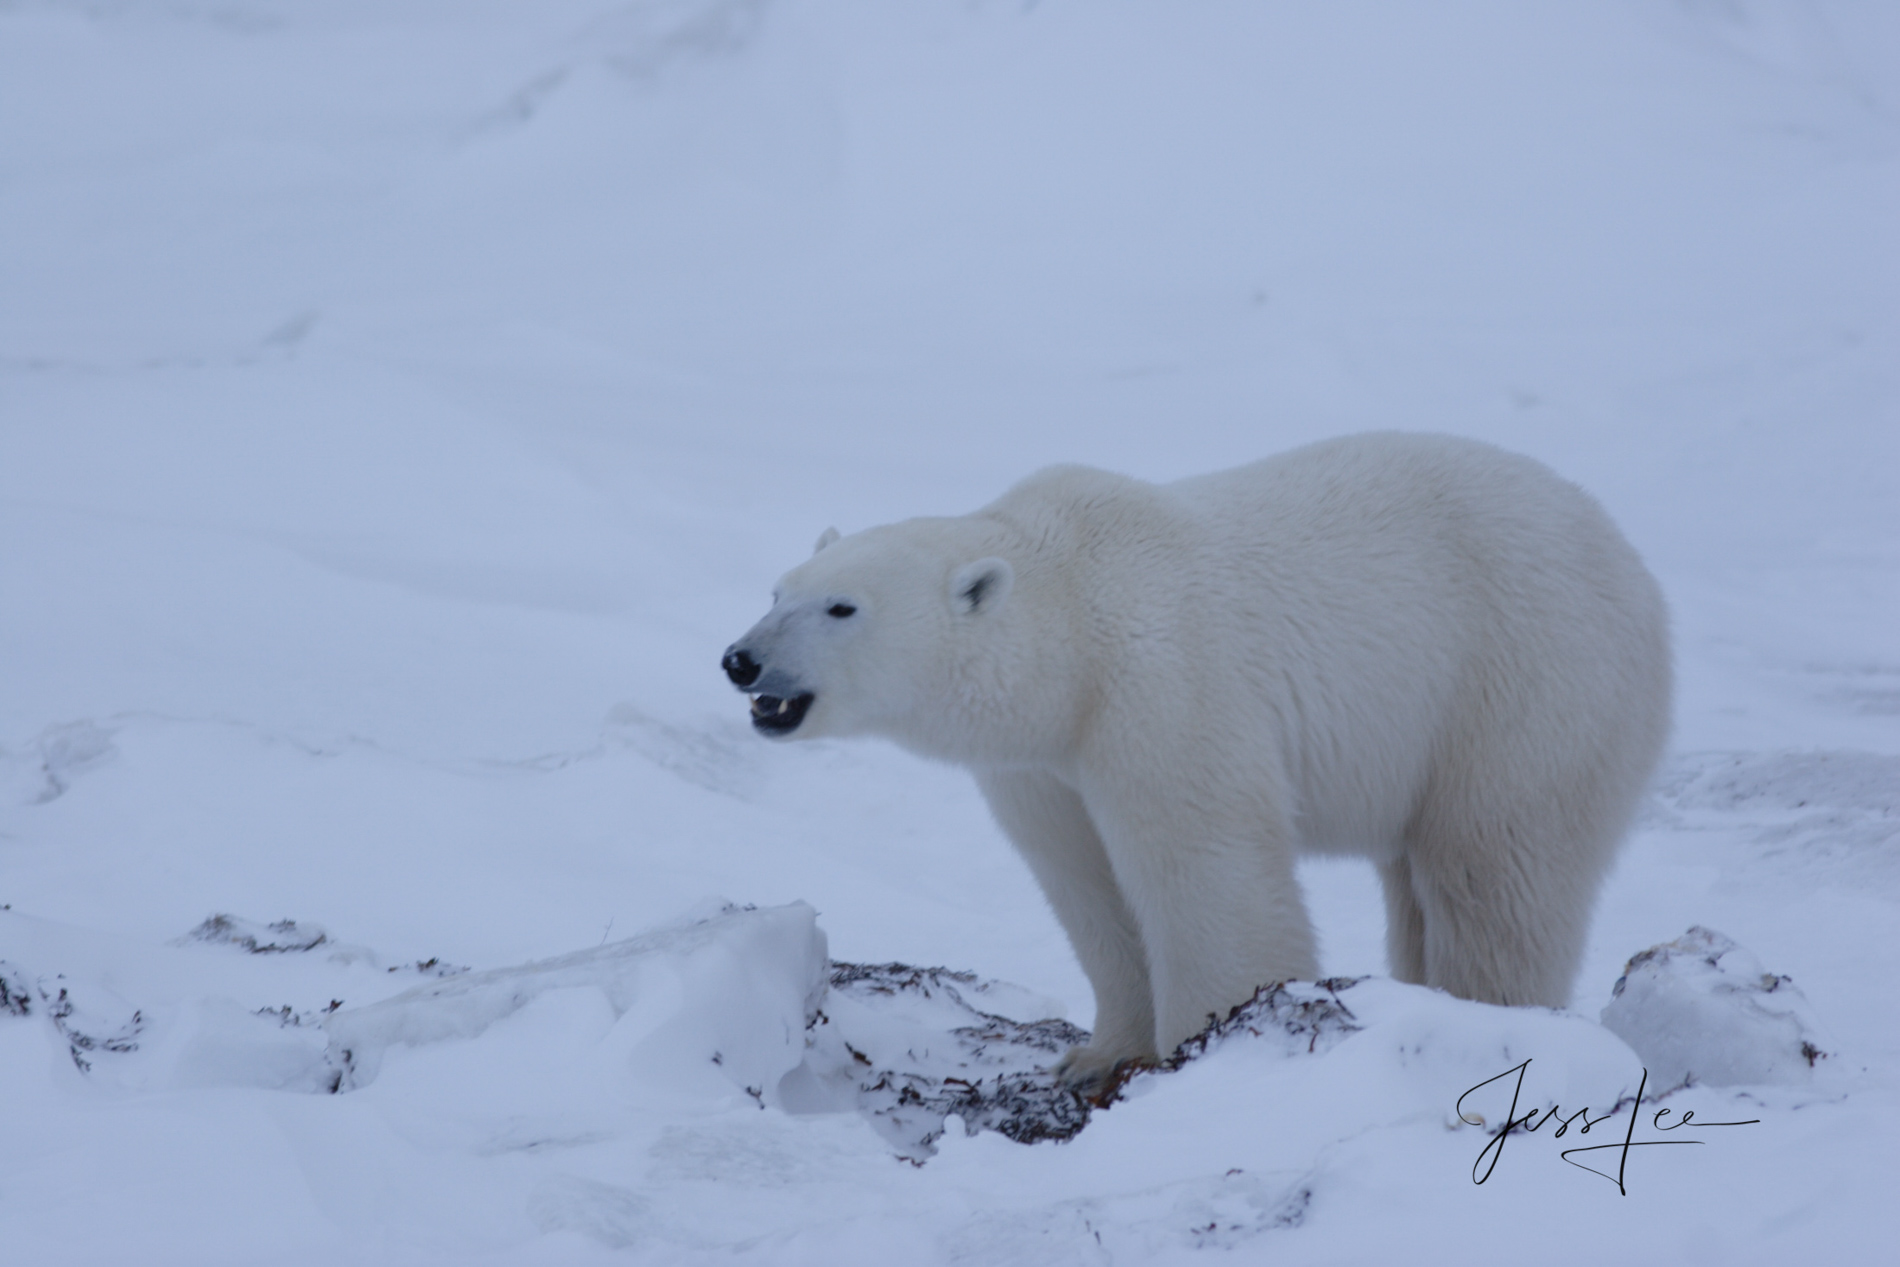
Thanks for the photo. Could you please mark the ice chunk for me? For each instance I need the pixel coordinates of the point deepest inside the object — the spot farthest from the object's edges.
(218, 1042)
(1701, 1010)
(720, 1000)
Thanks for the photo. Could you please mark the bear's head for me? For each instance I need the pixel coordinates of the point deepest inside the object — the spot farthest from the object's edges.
(903, 631)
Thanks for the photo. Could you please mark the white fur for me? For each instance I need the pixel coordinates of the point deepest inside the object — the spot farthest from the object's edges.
(1417, 649)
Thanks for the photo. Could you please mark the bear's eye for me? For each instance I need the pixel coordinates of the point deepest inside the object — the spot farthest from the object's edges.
(841, 610)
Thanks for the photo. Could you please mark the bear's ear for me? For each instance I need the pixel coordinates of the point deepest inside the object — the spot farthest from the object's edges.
(981, 586)
(825, 538)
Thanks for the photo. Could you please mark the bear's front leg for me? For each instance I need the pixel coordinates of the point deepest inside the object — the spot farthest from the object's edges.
(1046, 821)
(1214, 895)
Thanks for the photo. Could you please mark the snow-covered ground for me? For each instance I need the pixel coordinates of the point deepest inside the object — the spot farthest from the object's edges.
(402, 403)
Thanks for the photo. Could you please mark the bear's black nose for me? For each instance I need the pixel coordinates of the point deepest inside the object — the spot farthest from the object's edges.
(740, 667)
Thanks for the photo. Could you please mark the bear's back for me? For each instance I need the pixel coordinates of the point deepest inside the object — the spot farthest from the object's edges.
(1346, 603)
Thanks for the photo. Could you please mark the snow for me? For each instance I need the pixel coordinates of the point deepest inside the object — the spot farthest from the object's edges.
(403, 403)
(1700, 1011)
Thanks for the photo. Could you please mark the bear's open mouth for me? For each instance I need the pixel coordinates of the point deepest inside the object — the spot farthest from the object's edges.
(779, 716)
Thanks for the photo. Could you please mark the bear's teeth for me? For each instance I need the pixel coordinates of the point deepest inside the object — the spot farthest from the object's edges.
(784, 704)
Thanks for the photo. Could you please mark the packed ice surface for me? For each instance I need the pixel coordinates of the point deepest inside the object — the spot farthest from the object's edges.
(402, 404)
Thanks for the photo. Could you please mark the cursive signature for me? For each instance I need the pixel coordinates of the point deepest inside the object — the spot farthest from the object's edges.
(1536, 1119)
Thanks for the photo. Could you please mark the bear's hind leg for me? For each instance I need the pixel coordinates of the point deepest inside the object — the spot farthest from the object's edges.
(1404, 923)
(1050, 828)
(1507, 901)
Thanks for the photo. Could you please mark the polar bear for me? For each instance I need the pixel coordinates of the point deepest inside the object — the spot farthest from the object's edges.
(1418, 649)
